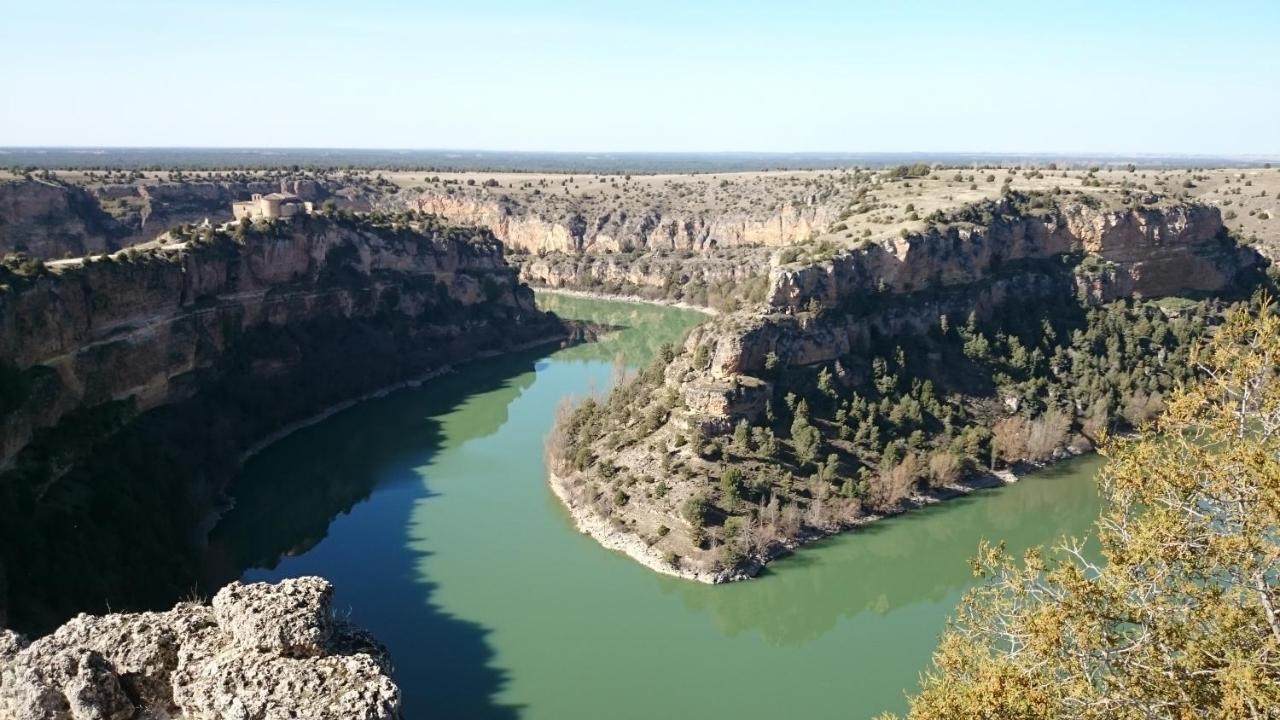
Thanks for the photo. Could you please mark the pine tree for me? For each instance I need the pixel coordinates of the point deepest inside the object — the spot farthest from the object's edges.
(1182, 617)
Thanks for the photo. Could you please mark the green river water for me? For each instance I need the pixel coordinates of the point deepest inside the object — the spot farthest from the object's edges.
(429, 510)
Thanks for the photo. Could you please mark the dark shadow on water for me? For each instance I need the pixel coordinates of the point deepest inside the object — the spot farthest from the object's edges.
(337, 500)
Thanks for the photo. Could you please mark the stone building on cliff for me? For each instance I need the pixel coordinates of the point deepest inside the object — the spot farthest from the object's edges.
(272, 206)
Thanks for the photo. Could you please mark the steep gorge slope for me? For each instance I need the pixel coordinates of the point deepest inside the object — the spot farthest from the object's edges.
(132, 384)
(893, 372)
(600, 224)
(675, 247)
(51, 218)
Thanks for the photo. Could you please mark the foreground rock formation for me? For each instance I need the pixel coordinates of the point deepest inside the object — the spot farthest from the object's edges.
(258, 652)
(875, 377)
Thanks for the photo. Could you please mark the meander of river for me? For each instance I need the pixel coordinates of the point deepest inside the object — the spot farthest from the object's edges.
(429, 510)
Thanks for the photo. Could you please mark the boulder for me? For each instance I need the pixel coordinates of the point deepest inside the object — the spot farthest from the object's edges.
(290, 619)
(262, 652)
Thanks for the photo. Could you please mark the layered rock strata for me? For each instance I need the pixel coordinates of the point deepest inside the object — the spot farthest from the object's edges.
(600, 227)
(51, 219)
(1172, 247)
(130, 386)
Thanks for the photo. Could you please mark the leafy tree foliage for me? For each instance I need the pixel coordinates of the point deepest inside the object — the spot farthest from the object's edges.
(1180, 616)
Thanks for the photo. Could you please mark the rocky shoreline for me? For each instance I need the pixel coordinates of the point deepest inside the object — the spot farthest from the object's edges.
(598, 528)
(428, 376)
(262, 651)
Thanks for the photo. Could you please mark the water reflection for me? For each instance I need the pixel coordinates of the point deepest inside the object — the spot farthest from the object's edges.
(293, 516)
(920, 557)
(285, 500)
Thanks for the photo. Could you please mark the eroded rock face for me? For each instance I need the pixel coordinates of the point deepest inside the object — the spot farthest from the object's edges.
(1152, 251)
(50, 219)
(592, 228)
(197, 349)
(890, 288)
(261, 652)
(110, 330)
(292, 620)
(651, 270)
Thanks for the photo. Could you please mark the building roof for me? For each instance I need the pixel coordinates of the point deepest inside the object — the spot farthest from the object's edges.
(282, 196)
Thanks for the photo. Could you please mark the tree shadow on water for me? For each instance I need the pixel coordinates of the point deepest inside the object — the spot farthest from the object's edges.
(338, 499)
(450, 671)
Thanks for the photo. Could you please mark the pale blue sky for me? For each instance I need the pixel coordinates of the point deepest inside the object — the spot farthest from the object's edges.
(1025, 76)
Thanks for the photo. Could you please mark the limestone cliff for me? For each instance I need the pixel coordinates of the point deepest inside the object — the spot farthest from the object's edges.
(1006, 257)
(268, 652)
(132, 384)
(50, 218)
(1153, 251)
(139, 327)
(597, 225)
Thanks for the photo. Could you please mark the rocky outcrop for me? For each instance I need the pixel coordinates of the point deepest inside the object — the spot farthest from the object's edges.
(739, 347)
(140, 327)
(49, 218)
(1150, 250)
(260, 651)
(642, 270)
(583, 226)
(901, 287)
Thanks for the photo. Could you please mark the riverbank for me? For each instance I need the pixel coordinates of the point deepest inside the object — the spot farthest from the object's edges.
(399, 501)
(328, 412)
(208, 522)
(600, 529)
(624, 298)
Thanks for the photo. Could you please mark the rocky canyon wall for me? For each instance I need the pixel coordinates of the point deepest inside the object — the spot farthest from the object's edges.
(573, 226)
(1152, 251)
(48, 219)
(1016, 256)
(131, 385)
(831, 402)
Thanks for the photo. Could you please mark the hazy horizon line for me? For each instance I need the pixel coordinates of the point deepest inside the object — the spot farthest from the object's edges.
(338, 148)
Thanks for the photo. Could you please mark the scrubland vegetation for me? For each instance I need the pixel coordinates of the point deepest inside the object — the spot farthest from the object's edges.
(839, 442)
(1172, 613)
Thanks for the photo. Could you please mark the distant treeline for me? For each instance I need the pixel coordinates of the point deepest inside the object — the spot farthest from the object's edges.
(500, 161)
